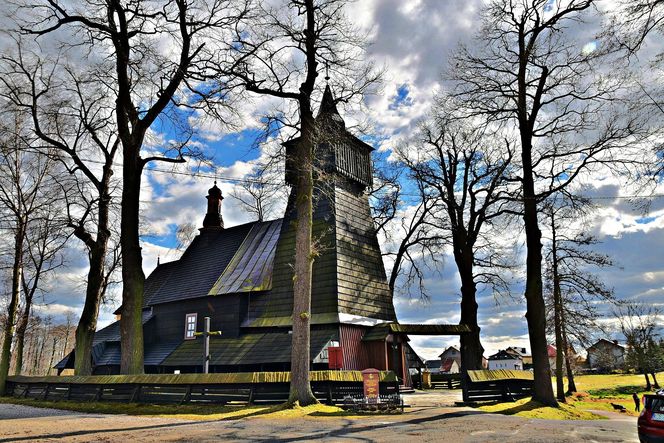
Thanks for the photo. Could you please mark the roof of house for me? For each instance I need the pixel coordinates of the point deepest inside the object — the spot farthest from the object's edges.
(504, 355)
(522, 352)
(551, 351)
(449, 348)
(605, 342)
(447, 364)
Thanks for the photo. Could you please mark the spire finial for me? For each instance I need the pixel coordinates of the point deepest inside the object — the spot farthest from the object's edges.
(327, 72)
(158, 258)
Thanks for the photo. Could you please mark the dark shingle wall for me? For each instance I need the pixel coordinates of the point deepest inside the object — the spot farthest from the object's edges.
(362, 283)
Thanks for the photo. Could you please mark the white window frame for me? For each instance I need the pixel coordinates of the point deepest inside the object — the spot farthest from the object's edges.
(188, 333)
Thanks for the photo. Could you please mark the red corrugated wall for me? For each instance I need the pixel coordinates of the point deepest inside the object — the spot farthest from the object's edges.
(377, 354)
(354, 355)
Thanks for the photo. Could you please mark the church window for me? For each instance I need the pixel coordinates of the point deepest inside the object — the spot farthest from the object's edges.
(190, 326)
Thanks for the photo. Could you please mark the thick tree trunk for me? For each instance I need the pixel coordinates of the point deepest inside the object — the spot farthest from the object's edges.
(648, 385)
(20, 338)
(300, 387)
(133, 278)
(557, 315)
(12, 309)
(87, 324)
(535, 307)
(471, 347)
(654, 380)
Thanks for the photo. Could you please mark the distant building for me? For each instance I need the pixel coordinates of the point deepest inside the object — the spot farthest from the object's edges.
(452, 353)
(551, 352)
(505, 360)
(606, 355)
(526, 358)
(433, 366)
(450, 366)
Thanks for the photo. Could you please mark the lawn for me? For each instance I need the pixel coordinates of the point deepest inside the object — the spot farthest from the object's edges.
(186, 412)
(596, 393)
(599, 391)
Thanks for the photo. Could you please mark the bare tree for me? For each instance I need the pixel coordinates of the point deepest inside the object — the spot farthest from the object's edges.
(386, 194)
(71, 116)
(572, 290)
(262, 192)
(641, 326)
(530, 75)
(184, 235)
(142, 85)
(24, 186)
(45, 239)
(636, 20)
(464, 170)
(281, 54)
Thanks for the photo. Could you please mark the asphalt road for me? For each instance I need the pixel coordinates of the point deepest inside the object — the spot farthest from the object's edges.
(430, 419)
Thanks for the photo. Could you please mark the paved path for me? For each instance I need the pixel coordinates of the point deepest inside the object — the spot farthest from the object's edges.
(425, 421)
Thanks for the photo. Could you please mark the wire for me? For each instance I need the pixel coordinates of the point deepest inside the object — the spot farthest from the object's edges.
(223, 178)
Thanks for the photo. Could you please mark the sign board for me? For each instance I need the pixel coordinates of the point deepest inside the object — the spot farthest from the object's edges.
(335, 357)
(371, 378)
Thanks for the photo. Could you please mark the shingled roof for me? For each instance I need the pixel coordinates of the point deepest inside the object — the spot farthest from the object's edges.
(104, 345)
(251, 266)
(194, 274)
(248, 349)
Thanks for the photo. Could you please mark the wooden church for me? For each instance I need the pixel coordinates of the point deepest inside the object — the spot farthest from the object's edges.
(241, 277)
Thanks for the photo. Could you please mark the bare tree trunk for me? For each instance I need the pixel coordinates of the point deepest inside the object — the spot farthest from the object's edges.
(20, 338)
(51, 360)
(571, 385)
(557, 313)
(648, 385)
(535, 307)
(87, 324)
(133, 278)
(654, 380)
(471, 347)
(12, 310)
(300, 387)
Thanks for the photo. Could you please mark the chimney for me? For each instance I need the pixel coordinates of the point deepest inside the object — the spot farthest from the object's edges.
(213, 219)
(615, 342)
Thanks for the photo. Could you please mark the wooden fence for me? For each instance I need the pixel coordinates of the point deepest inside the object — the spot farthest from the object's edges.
(232, 389)
(498, 385)
(445, 381)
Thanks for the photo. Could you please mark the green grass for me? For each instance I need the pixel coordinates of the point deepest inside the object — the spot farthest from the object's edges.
(187, 412)
(528, 408)
(596, 392)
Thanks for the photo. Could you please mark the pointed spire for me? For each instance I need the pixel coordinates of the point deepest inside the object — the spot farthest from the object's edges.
(328, 107)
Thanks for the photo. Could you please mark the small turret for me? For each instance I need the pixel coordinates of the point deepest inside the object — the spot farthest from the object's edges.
(213, 218)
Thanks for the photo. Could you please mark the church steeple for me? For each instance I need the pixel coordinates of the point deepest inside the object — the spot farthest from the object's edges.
(213, 218)
(328, 108)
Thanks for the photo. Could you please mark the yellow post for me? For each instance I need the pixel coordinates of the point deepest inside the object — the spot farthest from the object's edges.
(426, 379)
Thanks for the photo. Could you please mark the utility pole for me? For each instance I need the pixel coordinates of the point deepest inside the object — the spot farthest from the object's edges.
(206, 346)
